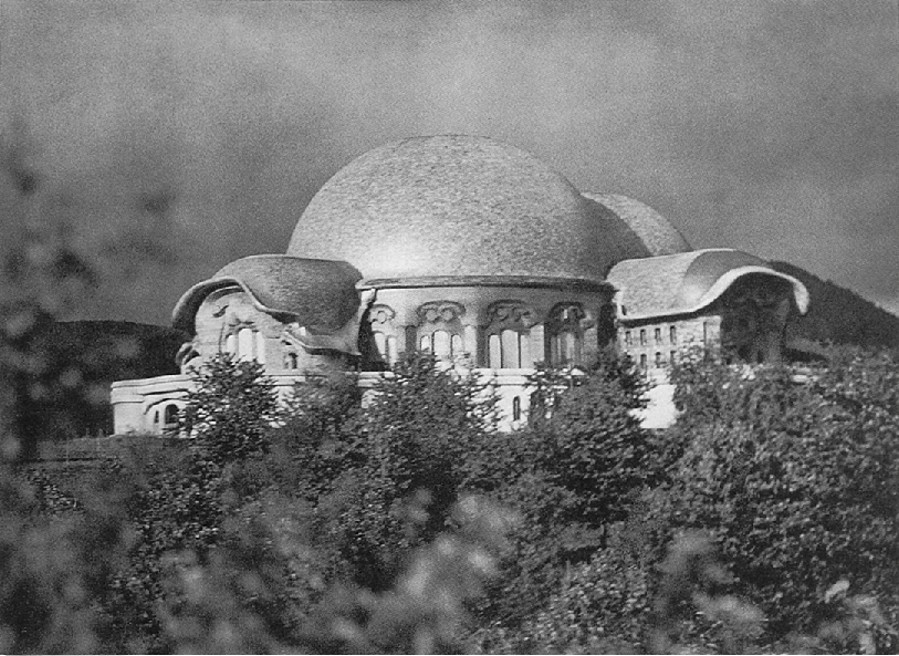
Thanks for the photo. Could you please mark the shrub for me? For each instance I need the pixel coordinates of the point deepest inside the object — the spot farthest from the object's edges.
(796, 482)
(231, 409)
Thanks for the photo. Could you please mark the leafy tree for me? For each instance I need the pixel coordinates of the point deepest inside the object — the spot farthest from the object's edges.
(231, 409)
(796, 482)
(574, 473)
(409, 456)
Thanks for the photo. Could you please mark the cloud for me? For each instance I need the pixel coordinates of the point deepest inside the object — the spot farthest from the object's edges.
(765, 126)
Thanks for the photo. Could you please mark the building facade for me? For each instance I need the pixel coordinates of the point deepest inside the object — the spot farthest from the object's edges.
(481, 254)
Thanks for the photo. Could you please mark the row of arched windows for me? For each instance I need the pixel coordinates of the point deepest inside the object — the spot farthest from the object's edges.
(508, 340)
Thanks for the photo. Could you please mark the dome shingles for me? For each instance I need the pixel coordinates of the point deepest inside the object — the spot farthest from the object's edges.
(454, 206)
(653, 229)
(318, 294)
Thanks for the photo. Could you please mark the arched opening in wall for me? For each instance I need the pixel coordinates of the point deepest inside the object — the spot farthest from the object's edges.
(565, 334)
(516, 408)
(170, 418)
(439, 330)
(246, 343)
(377, 339)
(291, 360)
(509, 349)
(508, 335)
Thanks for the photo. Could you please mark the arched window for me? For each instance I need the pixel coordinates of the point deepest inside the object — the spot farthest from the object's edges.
(291, 361)
(565, 334)
(440, 329)
(170, 417)
(231, 344)
(516, 408)
(643, 361)
(384, 333)
(508, 335)
(246, 344)
(672, 334)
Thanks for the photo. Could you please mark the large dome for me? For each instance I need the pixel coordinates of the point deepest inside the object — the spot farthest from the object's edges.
(438, 206)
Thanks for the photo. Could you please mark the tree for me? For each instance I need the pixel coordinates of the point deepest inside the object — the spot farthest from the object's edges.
(231, 410)
(409, 456)
(796, 482)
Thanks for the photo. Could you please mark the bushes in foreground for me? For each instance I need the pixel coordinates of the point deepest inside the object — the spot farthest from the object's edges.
(768, 523)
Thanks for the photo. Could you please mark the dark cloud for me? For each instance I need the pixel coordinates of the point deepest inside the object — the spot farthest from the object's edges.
(177, 137)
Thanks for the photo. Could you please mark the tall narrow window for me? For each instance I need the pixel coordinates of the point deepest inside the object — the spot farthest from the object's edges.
(658, 335)
(384, 332)
(494, 355)
(245, 344)
(658, 359)
(628, 338)
(381, 343)
(643, 361)
(565, 334)
(508, 334)
(671, 359)
(231, 344)
(672, 334)
(642, 337)
(441, 344)
(392, 353)
(511, 351)
(440, 328)
(516, 408)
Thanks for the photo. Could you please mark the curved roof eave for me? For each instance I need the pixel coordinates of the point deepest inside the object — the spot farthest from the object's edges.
(186, 308)
(800, 293)
(721, 285)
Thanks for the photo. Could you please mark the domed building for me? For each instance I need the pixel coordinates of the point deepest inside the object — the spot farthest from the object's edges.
(481, 254)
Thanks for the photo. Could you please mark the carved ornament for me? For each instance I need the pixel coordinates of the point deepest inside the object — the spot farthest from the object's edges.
(516, 312)
(435, 311)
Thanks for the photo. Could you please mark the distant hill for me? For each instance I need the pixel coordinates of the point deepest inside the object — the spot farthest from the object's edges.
(84, 357)
(839, 315)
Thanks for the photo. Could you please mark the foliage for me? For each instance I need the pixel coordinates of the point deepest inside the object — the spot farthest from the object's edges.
(796, 482)
(231, 409)
(406, 459)
(578, 469)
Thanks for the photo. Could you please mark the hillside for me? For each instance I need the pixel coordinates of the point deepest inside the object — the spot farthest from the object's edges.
(81, 359)
(839, 315)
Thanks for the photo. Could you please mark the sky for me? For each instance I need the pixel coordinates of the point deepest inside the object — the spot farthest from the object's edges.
(171, 138)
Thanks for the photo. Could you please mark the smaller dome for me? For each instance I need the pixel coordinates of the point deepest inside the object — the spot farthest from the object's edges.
(318, 294)
(653, 229)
